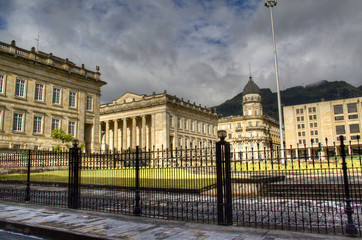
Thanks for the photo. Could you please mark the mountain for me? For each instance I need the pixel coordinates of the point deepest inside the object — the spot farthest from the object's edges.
(293, 96)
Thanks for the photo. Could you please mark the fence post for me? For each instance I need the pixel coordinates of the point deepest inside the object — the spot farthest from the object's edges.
(350, 227)
(27, 191)
(137, 208)
(74, 176)
(223, 171)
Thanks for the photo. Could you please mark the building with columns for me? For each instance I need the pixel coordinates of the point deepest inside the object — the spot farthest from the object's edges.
(155, 121)
(253, 131)
(40, 92)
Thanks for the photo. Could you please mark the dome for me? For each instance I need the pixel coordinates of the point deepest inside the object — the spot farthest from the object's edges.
(251, 87)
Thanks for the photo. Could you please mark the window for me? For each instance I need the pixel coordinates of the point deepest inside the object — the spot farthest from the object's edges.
(310, 117)
(55, 123)
(186, 125)
(354, 116)
(298, 126)
(256, 112)
(56, 95)
(340, 129)
(312, 133)
(229, 126)
(315, 125)
(303, 134)
(178, 122)
(311, 125)
(298, 119)
(1, 83)
(171, 120)
(249, 111)
(239, 136)
(71, 128)
(89, 103)
(250, 134)
(257, 124)
(37, 124)
(18, 122)
(352, 107)
(316, 132)
(249, 124)
(297, 111)
(301, 111)
(229, 136)
(299, 134)
(302, 125)
(339, 118)
(1, 118)
(72, 99)
(239, 125)
(312, 109)
(20, 88)
(198, 127)
(354, 128)
(38, 92)
(192, 126)
(180, 142)
(302, 118)
(338, 109)
(203, 128)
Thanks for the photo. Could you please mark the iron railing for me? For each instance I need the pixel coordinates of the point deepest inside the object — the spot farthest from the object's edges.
(312, 189)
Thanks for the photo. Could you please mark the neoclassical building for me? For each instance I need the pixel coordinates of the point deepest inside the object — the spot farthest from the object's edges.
(156, 121)
(253, 131)
(40, 92)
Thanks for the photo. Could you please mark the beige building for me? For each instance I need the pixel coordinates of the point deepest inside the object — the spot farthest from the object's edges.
(309, 125)
(40, 92)
(156, 121)
(253, 131)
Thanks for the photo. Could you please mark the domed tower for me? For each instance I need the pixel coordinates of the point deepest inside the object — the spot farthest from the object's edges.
(252, 104)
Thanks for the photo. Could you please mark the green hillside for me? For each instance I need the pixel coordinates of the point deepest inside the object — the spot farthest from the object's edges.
(293, 96)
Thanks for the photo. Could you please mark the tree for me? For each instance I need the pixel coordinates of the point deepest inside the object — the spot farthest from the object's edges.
(59, 133)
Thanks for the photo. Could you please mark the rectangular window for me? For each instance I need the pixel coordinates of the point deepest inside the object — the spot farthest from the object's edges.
(55, 123)
(20, 88)
(301, 118)
(315, 125)
(171, 120)
(311, 125)
(249, 124)
(239, 136)
(299, 134)
(38, 92)
(338, 109)
(203, 128)
(178, 122)
(316, 132)
(89, 103)
(354, 128)
(339, 118)
(340, 130)
(72, 99)
(239, 125)
(229, 136)
(352, 107)
(37, 124)
(302, 125)
(301, 111)
(310, 117)
(56, 95)
(71, 128)
(185, 124)
(314, 117)
(1, 83)
(355, 137)
(229, 126)
(192, 126)
(303, 134)
(18, 122)
(297, 111)
(354, 116)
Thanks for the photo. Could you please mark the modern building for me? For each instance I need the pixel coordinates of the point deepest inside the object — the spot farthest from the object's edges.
(156, 121)
(40, 92)
(252, 132)
(319, 125)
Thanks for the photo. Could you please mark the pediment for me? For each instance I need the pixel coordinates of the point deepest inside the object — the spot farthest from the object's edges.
(128, 97)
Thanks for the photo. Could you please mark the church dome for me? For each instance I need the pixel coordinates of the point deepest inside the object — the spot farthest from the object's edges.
(251, 87)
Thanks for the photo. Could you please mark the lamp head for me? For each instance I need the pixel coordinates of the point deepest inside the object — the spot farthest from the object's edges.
(221, 134)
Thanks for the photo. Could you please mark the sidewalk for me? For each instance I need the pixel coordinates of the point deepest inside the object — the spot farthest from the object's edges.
(63, 223)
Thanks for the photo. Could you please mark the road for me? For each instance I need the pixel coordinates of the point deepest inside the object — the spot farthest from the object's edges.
(5, 235)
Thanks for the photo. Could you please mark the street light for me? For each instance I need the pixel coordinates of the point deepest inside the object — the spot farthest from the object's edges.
(270, 4)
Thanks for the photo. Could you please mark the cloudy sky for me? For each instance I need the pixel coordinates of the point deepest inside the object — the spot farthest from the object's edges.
(199, 50)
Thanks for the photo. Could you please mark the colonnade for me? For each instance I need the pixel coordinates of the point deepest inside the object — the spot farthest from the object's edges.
(128, 132)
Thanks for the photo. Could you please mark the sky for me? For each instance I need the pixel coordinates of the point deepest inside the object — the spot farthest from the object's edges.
(198, 50)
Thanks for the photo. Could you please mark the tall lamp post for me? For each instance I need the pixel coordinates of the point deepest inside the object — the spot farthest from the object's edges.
(270, 4)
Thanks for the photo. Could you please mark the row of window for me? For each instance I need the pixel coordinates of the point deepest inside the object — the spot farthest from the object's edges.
(313, 140)
(38, 124)
(193, 143)
(239, 125)
(190, 125)
(351, 108)
(39, 93)
(353, 128)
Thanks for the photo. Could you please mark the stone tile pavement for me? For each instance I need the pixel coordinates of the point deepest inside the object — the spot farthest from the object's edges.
(63, 223)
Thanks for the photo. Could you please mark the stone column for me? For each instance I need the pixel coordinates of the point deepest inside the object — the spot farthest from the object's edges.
(124, 134)
(152, 132)
(143, 132)
(107, 135)
(175, 128)
(115, 135)
(133, 133)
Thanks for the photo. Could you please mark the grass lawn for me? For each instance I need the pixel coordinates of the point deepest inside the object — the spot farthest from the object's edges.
(149, 177)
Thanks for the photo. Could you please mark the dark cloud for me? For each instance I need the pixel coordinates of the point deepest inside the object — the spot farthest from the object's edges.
(197, 50)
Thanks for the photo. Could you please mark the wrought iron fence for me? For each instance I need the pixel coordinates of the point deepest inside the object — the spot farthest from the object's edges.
(306, 191)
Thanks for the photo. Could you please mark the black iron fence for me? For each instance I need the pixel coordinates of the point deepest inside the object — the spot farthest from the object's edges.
(305, 192)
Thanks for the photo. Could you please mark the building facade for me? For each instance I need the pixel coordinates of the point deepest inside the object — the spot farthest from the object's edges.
(40, 92)
(309, 125)
(156, 121)
(252, 132)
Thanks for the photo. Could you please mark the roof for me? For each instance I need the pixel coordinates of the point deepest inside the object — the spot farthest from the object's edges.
(251, 87)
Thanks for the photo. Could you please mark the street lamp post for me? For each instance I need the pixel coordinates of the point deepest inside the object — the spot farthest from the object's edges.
(270, 4)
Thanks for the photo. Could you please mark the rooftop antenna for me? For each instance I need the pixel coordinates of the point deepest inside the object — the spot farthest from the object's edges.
(37, 42)
(249, 70)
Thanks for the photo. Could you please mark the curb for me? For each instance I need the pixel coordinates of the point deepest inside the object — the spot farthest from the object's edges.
(45, 232)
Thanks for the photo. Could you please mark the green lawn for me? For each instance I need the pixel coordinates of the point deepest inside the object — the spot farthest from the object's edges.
(149, 177)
